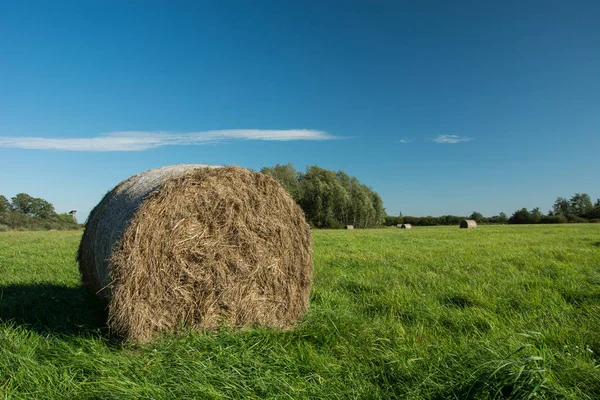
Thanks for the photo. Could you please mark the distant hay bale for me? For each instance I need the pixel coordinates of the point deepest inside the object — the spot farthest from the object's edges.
(406, 226)
(468, 224)
(191, 245)
(349, 226)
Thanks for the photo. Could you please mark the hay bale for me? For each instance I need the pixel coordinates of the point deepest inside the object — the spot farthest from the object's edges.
(406, 226)
(191, 245)
(468, 224)
(349, 226)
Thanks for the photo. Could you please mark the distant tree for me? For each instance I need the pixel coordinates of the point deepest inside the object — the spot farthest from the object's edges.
(41, 208)
(502, 218)
(478, 217)
(287, 176)
(580, 204)
(561, 206)
(519, 217)
(32, 206)
(331, 199)
(498, 219)
(22, 203)
(595, 211)
(535, 216)
(4, 204)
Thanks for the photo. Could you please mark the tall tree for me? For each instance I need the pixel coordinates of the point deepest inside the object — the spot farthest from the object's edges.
(519, 217)
(41, 208)
(502, 218)
(535, 216)
(581, 204)
(561, 206)
(331, 199)
(22, 203)
(4, 204)
(287, 176)
(478, 217)
(32, 206)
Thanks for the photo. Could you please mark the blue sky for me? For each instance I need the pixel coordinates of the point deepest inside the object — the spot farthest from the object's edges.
(441, 107)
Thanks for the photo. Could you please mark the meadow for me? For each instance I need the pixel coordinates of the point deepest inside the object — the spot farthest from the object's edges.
(428, 313)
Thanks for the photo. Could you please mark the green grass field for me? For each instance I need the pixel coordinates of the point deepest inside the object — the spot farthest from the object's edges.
(433, 313)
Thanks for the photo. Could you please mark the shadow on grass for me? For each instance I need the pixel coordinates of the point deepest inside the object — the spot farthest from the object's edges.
(53, 310)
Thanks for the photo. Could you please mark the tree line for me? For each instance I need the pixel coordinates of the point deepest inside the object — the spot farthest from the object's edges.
(333, 199)
(25, 212)
(579, 208)
(330, 199)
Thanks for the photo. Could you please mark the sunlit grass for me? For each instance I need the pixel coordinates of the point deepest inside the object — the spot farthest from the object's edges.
(500, 311)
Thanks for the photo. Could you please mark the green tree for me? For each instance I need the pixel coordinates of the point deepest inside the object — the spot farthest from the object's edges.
(32, 206)
(22, 203)
(580, 204)
(287, 176)
(331, 199)
(502, 218)
(41, 208)
(595, 212)
(535, 216)
(519, 217)
(4, 204)
(561, 206)
(478, 217)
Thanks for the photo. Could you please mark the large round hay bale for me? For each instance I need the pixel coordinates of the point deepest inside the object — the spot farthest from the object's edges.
(191, 245)
(406, 226)
(468, 223)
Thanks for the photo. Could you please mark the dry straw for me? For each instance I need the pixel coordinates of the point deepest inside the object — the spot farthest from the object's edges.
(191, 245)
(406, 226)
(468, 223)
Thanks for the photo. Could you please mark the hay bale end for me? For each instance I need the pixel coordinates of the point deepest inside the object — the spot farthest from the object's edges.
(468, 224)
(349, 226)
(192, 246)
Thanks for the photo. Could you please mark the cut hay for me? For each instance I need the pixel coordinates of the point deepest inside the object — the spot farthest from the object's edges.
(194, 246)
(406, 226)
(349, 226)
(468, 224)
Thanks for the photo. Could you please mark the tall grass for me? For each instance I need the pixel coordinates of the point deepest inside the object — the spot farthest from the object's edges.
(433, 313)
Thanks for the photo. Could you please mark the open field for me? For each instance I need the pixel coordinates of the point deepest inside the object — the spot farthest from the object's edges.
(436, 313)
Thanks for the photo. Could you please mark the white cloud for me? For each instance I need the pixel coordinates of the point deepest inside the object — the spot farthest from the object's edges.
(403, 141)
(451, 139)
(137, 141)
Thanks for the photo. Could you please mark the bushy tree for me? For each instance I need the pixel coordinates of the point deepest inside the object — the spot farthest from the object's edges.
(535, 216)
(4, 204)
(580, 204)
(331, 199)
(561, 206)
(32, 206)
(519, 217)
(22, 203)
(287, 176)
(42, 208)
(502, 218)
(478, 217)
(594, 213)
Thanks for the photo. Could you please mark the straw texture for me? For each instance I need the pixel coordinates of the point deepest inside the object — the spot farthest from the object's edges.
(193, 246)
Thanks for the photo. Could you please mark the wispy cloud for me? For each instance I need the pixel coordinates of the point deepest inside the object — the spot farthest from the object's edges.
(403, 141)
(138, 141)
(451, 139)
